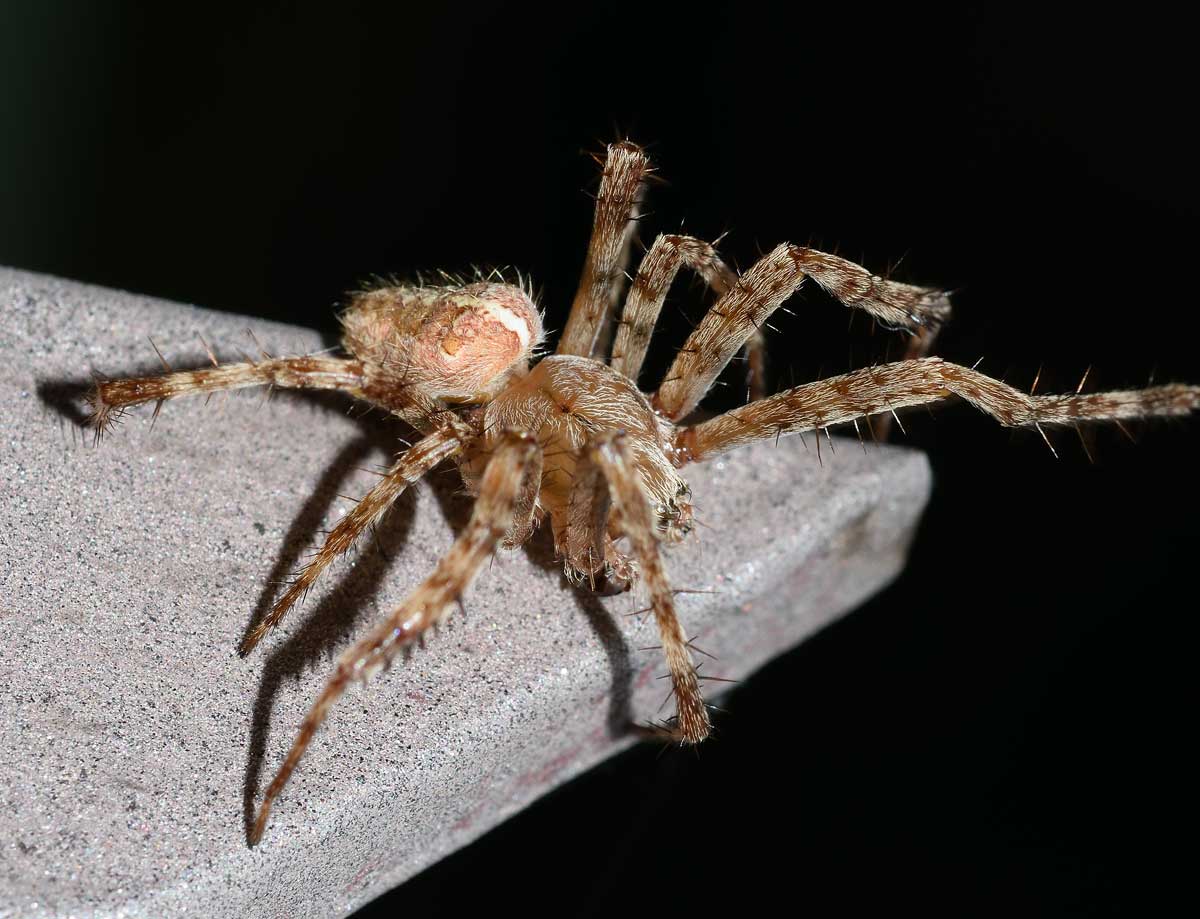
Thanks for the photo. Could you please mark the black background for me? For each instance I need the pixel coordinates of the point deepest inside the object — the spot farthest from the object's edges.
(1006, 727)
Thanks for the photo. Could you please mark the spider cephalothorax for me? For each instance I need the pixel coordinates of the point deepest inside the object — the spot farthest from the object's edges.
(572, 439)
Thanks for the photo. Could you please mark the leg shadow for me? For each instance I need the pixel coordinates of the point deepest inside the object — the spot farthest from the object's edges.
(299, 535)
(323, 629)
(455, 505)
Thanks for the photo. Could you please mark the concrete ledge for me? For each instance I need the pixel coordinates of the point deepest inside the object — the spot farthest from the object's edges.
(133, 740)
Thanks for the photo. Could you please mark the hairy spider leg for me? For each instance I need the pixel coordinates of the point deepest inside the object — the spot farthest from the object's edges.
(526, 511)
(492, 517)
(110, 398)
(648, 292)
(656, 273)
(889, 387)
(613, 227)
(919, 346)
(447, 439)
(760, 291)
(584, 543)
(612, 454)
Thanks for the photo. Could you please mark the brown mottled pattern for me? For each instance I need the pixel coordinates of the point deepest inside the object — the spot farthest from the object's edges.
(427, 605)
(656, 273)
(919, 346)
(585, 528)
(574, 439)
(612, 454)
(724, 330)
(890, 387)
(625, 170)
(741, 312)
(901, 306)
(410, 467)
(526, 511)
(111, 397)
(454, 343)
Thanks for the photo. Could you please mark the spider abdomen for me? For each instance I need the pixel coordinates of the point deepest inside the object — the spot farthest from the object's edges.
(457, 343)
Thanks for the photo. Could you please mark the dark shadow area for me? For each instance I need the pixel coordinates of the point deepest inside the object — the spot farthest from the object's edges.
(323, 628)
(300, 534)
(336, 616)
(620, 662)
(68, 399)
(456, 508)
(330, 621)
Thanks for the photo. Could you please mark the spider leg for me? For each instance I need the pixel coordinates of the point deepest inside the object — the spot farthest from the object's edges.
(584, 535)
(759, 292)
(614, 458)
(755, 351)
(499, 493)
(581, 536)
(111, 397)
(655, 275)
(919, 346)
(445, 442)
(526, 507)
(889, 387)
(613, 227)
(380, 387)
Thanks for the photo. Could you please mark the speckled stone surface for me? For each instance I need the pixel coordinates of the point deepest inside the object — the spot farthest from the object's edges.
(133, 740)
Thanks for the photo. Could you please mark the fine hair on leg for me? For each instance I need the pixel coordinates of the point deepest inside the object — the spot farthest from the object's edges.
(491, 519)
(648, 292)
(890, 387)
(611, 453)
(110, 398)
(919, 345)
(445, 441)
(625, 171)
(734, 318)
(583, 543)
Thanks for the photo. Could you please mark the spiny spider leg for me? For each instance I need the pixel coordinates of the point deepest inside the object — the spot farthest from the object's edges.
(760, 291)
(919, 346)
(656, 273)
(428, 605)
(111, 397)
(615, 459)
(889, 387)
(586, 532)
(525, 508)
(582, 540)
(587, 326)
(446, 441)
(648, 292)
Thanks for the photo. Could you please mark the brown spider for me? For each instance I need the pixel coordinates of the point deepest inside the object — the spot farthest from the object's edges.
(572, 437)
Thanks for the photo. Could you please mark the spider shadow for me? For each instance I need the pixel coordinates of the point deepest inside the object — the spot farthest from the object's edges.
(66, 397)
(456, 508)
(334, 618)
(330, 622)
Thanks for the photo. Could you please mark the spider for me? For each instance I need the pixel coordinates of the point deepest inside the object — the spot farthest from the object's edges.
(571, 437)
